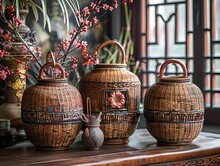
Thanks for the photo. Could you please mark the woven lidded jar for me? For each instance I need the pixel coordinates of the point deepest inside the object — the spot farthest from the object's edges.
(174, 108)
(115, 92)
(51, 111)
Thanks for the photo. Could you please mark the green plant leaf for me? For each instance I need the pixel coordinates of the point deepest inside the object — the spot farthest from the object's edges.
(4, 3)
(62, 8)
(48, 23)
(64, 11)
(17, 8)
(73, 7)
(72, 4)
(67, 16)
(77, 4)
(35, 11)
(127, 16)
(44, 11)
(46, 18)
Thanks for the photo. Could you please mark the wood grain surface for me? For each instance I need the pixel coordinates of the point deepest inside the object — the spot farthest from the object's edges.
(141, 150)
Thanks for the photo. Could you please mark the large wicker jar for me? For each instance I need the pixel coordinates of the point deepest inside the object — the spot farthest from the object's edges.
(174, 108)
(115, 92)
(51, 112)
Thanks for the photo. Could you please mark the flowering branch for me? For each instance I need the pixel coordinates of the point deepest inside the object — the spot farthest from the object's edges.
(87, 18)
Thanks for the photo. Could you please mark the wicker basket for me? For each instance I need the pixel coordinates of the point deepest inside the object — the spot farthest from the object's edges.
(174, 108)
(115, 92)
(51, 112)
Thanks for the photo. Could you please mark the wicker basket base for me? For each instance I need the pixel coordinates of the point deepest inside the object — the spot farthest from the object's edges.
(174, 133)
(159, 143)
(118, 133)
(51, 148)
(116, 141)
(52, 137)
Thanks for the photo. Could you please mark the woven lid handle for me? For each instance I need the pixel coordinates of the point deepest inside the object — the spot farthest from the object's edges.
(114, 43)
(55, 65)
(164, 65)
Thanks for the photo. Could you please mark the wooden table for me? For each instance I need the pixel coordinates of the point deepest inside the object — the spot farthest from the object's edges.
(141, 150)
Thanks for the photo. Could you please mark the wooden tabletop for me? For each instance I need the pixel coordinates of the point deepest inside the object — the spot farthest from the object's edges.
(141, 150)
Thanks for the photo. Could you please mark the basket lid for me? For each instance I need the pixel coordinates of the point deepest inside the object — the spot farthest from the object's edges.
(51, 80)
(106, 65)
(173, 79)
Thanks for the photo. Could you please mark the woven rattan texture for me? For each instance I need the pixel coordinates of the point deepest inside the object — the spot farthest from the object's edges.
(52, 137)
(51, 114)
(98, 85)
(174, 112)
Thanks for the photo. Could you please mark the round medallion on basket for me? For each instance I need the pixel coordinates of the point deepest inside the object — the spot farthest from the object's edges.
(51, 111)
(115, 92)
(174, 108)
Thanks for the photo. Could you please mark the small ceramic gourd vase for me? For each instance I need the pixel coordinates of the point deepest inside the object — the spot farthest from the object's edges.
(93, 136)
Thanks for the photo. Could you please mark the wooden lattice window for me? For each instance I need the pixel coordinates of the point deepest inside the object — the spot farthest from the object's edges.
(188, 30)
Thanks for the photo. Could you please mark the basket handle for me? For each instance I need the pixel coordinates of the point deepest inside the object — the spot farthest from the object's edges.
(114, 43)
(50, 57)
(164, 65)
(55, 65)
(88, 106)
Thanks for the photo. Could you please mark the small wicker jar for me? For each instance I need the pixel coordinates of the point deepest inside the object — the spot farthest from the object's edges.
(174, 108)
(115, 92)
(51, 112)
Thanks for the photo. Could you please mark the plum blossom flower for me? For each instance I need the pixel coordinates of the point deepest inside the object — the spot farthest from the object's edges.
(76, 43)
(74, 66)
(3, 74)
(88, 23)
(24, 49)
(95, 20)
(86, 11)
(18, 61)
(85, 28)
(81, 21)
(115, 4)
(2, 53)
(57, 72)
(105, 6)
(116, 100)
(66, 74)
(37, 51)
(97, 9)
(93, 5)
(18, 21)
(77, 13)
(84, 44)
(111, 8)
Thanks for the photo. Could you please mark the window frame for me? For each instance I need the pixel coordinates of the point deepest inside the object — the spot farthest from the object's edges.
(139, 7)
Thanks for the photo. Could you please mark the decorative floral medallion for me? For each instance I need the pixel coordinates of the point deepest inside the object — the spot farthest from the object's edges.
(116, 99)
